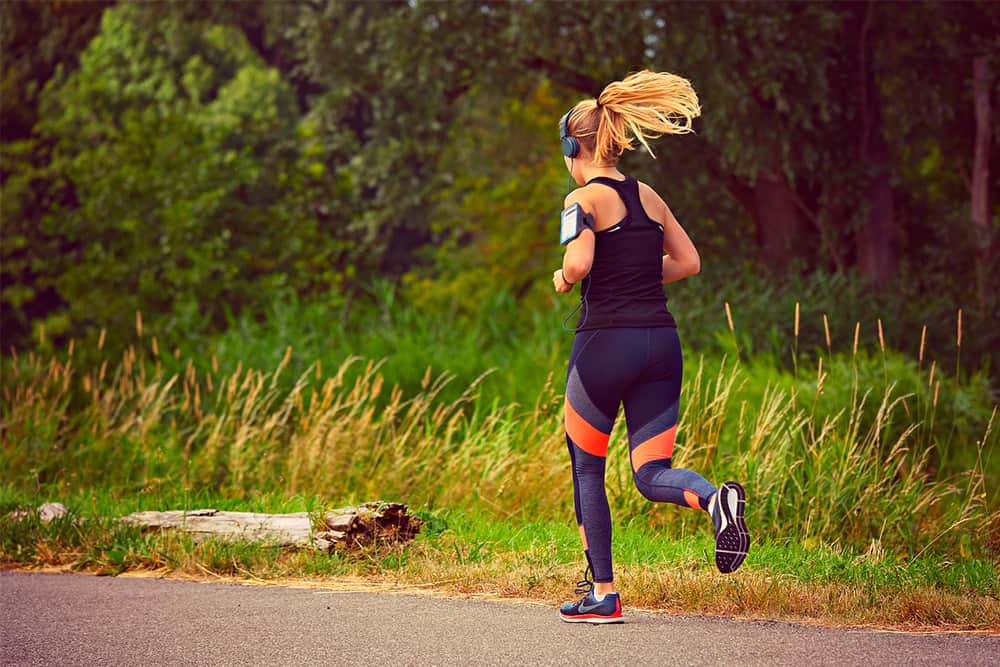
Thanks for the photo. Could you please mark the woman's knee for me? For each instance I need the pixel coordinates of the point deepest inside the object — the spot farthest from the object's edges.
(643, 478)
(645, 488)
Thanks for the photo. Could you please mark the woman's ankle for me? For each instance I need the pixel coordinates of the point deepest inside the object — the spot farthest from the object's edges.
(603, 588)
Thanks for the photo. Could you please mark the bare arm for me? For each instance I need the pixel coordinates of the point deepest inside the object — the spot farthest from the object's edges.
(680, 258)
(579, 255)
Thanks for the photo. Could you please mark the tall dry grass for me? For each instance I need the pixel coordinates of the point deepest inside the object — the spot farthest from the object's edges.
(860, 471)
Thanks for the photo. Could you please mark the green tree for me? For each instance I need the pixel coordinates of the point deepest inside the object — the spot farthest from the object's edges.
(180, 151)
(35, 38)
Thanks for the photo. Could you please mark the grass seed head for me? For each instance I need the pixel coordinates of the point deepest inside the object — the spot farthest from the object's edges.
(958, 337)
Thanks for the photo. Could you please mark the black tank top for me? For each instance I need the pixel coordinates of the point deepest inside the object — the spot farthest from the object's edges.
(625, 284)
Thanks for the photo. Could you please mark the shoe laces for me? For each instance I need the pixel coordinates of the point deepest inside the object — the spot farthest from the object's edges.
(585, 587)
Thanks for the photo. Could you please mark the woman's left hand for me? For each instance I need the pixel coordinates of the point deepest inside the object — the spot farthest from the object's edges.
(559, 282)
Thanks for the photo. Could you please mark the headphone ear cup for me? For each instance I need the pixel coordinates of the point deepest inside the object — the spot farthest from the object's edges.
(570, 147)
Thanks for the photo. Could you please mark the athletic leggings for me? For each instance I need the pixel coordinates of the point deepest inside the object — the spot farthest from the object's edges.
(642, 368)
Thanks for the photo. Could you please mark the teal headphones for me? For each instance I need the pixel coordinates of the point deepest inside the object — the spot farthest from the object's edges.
(570, 145)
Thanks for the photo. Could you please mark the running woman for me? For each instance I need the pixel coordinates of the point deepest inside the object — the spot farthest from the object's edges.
(626, 349)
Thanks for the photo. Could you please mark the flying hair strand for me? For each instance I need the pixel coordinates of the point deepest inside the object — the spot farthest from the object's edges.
(641, 107)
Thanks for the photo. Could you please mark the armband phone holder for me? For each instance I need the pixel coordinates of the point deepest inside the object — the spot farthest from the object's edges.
(572, 222)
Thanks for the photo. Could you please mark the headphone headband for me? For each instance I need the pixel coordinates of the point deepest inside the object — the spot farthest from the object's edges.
(570, 145)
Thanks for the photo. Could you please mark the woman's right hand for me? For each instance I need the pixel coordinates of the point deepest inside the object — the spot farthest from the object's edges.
(559, 282)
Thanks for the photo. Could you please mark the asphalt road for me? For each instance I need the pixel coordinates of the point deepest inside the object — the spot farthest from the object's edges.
(56, 619)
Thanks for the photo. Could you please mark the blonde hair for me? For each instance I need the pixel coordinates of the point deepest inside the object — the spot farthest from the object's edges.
(643, 106)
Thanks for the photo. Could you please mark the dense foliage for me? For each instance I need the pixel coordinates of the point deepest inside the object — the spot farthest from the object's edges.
(198, 160)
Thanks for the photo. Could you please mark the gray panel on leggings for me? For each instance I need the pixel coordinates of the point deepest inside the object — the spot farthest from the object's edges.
(654, 426)
(581, 402)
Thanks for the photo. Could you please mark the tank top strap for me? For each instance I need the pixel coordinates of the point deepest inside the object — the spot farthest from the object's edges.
(628, 190)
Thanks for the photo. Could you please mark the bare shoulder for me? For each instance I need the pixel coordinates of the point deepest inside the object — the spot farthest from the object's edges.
(586, 196)
(652, 201)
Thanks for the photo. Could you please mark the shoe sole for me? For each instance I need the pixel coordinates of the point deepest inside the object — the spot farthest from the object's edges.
(733, 543)
(592, 619)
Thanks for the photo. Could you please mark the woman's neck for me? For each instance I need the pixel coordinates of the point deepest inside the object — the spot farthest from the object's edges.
(590, 170)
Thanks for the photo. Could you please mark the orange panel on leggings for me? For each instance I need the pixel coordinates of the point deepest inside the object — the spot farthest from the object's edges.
(583, 433)
(657, 448)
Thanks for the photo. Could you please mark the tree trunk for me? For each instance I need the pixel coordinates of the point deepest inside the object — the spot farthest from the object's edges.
(875, 239)
(777, 217)
(979, 187)
(770, 201)
(876, 252)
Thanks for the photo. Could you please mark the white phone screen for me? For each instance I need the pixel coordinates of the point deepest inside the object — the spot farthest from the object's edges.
(567, 230)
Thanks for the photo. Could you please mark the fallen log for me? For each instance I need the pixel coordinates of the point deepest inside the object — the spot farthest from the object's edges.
(339, 529)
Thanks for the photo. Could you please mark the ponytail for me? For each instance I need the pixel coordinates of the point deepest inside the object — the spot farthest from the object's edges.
(643, 106)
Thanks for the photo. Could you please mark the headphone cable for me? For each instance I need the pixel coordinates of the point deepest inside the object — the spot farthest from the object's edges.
(583, 303)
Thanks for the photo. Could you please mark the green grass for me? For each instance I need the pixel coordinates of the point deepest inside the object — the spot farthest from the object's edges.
(872, 474)
(462, 552)
(855, 454)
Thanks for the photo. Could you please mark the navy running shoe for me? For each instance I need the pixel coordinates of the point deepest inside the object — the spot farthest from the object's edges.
(589, 609)
(732, 540)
